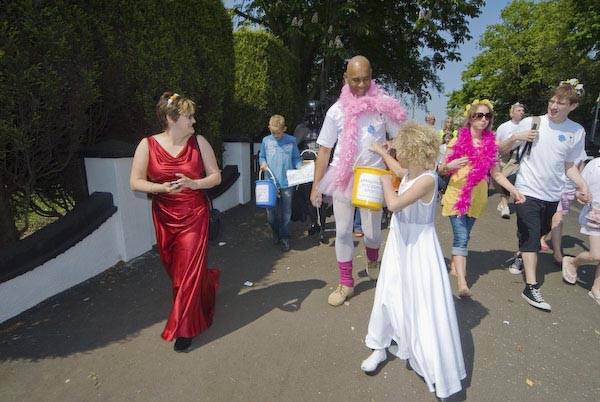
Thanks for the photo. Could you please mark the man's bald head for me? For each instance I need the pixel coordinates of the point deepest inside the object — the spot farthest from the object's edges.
(358, 75)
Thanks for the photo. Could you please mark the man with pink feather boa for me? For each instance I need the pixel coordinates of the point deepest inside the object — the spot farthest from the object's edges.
(363, 114)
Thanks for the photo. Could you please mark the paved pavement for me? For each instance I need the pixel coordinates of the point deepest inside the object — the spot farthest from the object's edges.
(278, 340)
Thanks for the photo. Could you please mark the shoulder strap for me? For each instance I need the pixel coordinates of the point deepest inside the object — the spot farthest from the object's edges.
(535, 125)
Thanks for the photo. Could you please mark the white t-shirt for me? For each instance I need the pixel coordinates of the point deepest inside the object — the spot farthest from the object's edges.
(541, 172)
(591, 175)
(505, 130)
(372, 127)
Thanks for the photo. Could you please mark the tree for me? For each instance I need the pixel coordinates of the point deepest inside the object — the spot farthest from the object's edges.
(47, 82)
(406, 41)
(531, 51)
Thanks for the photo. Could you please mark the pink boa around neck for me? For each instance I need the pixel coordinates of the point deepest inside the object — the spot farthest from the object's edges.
(482, 159)
(376, 100)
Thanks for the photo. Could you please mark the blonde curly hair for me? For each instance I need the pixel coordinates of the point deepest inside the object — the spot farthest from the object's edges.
(417, 143)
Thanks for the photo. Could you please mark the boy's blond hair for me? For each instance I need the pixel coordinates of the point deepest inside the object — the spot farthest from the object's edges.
(417, 143)
(277, 120)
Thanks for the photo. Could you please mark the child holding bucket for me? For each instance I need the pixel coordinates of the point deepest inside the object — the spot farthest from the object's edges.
(414, 305)
(278, 154)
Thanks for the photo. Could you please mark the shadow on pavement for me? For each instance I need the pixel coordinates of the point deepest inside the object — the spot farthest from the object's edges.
(127, 298)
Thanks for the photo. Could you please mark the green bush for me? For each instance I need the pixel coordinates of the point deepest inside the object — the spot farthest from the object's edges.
(266, 83)
(48, 75)
(75, 72)
(152, 46)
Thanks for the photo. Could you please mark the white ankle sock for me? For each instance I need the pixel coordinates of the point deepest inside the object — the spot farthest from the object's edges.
(371, 363)
(393, 349)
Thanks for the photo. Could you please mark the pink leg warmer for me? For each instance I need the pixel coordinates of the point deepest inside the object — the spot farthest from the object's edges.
(345, 269)
(372, 254)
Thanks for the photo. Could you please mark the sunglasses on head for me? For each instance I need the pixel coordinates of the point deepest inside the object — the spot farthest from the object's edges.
(479, 116)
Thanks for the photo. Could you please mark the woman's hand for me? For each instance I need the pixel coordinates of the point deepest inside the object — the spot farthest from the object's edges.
(457, 163)
(184, 181)
(264, 166)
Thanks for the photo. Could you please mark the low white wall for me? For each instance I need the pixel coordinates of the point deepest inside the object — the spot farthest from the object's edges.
(124, 236)
(86, 259)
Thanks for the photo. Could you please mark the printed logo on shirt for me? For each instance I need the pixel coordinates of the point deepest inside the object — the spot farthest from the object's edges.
(371, 129)
(380, 118)
(566, 137)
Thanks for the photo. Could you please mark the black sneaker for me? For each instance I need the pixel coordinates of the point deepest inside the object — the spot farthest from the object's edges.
(182, 344)
(533, 296)
(516, 267)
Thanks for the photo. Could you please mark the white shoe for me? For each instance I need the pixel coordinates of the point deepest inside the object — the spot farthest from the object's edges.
(499, 207)
(370, 363)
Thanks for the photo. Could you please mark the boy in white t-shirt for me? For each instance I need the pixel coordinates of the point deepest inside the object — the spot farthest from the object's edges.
(551, 151)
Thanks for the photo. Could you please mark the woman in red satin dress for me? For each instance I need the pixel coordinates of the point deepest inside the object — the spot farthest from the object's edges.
(175, 166)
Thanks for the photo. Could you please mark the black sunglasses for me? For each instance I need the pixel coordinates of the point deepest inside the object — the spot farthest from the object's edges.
(479, 116)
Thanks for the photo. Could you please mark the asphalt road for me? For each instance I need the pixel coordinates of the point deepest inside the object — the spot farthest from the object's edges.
(279, 340)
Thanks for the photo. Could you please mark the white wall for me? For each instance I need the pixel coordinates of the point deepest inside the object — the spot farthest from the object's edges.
(127, 234)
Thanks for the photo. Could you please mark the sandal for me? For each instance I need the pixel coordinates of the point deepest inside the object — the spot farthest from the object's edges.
(568, 277)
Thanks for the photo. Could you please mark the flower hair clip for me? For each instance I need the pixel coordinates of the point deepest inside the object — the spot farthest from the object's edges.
(574, 82)
(484, 102)
(171, 99)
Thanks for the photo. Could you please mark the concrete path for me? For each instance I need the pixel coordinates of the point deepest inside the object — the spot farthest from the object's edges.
(278, 340)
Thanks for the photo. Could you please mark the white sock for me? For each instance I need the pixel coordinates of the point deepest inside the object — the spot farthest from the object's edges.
(394, 350)
(371, 363)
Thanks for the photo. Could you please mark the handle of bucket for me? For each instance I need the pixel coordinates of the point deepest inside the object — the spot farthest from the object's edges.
(261, 172)
(360, 154)
(308, 150)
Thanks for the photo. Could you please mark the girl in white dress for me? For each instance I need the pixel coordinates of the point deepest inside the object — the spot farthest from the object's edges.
(414, 305)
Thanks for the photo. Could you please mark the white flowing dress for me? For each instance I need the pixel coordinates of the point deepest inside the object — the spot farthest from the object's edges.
(414, 305)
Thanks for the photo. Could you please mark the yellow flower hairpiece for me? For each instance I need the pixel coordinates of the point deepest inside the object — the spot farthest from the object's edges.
(574, 82)
(171, 99)
(484, 102)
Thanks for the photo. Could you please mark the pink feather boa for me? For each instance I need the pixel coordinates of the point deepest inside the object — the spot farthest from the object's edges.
(375, 100)
(482, 159)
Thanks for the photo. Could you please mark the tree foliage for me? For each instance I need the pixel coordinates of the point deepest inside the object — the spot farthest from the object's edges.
(536, 46)
(157, 45)
(48, 76)
(406, 41)
(266, 83)
(73, 72)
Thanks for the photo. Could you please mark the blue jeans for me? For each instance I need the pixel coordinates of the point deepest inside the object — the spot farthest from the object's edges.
(279, 217)
(461, 229)
(357, 223)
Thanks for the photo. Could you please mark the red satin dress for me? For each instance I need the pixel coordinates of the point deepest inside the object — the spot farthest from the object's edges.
(181, 224)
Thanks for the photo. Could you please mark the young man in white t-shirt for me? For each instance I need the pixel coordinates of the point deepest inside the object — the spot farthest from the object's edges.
(517, 113)
(554, 146)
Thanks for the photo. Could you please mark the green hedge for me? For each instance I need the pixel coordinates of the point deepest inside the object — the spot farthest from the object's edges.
(75, 72)
(158, 45)
(48, 82)
(266, 83)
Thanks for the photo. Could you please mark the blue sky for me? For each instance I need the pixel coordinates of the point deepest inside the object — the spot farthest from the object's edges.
(450, 76)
